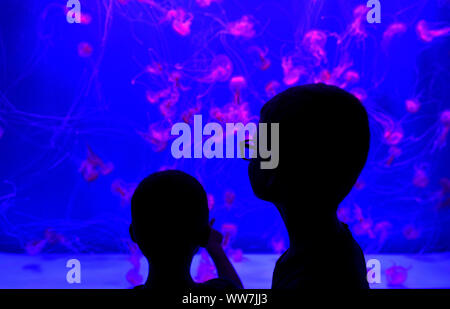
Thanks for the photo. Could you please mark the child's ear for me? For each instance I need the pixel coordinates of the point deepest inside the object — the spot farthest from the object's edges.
(133, 237)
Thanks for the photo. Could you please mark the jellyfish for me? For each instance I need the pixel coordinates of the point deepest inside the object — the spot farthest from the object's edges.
(236, 255)
(396, 275)
(211, 201)
(412, 106)
(291, 73)
(229, 231)
(344, 214)
(156, 136)
(155, 68)
(314, 42)
(2, 132)
(181, 21)
(410, 232)
(232, 113)
(124, 190)
(264, 63)
(427, 35)
(188, 114)
(271, 88)
(93, 166)
(381, 230)
(394, 152)
(237, 83)
(35, 247)
(394, 29)
(205, 3)
(166, 107)
(241, 28)
(154, 97)
(420, 179)
(229, 198)
(220, 70)
(278, 245)
(357, 27)
(444, 128)
(359, 93)
(84, 49)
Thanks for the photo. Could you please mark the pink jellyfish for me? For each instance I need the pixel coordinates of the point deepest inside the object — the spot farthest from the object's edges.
(278, 245)
(272, 88)
(357, 26)
(181, 21)
(93, 166)
(188, 115)
(211, 201)
(394, 152)
(237, 255)
(84, 49)
(242, 27)
(229, 231)
(154, 68)
(382, 230)
(364, 226)
(205, 3)
(229, 198)
(264, 63)
(154, 97)
(444, 199)
(360, 185)
(156, 136)
(344, 214)
(410, 232)
(445, 127)
(412, 105)
(220, 70)
(393, 30)
(420, 179)
(237, 83)
(291, 73)
(232, 112)
(124, 190)
(167, 106)
(359, 93)
(427, 35)
(35, 247)
(396, 275)
(314, 42)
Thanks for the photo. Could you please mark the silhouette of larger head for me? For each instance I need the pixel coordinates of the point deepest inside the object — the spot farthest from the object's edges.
(169, 211)
(323, 146)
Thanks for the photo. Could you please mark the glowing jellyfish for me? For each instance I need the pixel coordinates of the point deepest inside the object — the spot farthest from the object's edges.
(410, 232)
(427, 35)
(157, 136)
(154, 68)
(344, 214)
(35, 247)
(445, 127)
(181, 21)
(357, 27)
(220, 70)
(396, 275)
(205, 3)
(412, 105)
(271, 88)
(232, 112)
(229, 198)
(291, 73)
(363, 225)
(263, 63)
(314, 42)
(124, 190)
(188, 115)
(85, 18)
(229, 231)
(393, 30)
(278, 245)
(350, 77)
(237, 83)
(241, 28)
(211, 201)
(420, 179)
(84, 49)
(444, 198)
(154, 97)
(93, 167)
(382, 230)
(394, 152)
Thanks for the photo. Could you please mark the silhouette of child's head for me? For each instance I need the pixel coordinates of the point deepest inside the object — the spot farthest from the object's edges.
(324, 143)
(169, 211)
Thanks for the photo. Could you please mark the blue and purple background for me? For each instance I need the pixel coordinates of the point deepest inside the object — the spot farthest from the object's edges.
(85, 111)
